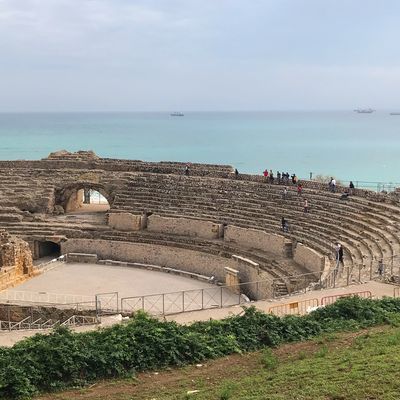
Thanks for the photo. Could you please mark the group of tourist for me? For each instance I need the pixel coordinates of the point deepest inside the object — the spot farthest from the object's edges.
(281, 178)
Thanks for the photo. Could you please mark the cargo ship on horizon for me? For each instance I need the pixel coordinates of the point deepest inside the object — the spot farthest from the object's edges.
(364, 110)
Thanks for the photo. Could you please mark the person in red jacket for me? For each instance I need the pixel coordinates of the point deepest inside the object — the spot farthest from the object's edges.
(299, 189)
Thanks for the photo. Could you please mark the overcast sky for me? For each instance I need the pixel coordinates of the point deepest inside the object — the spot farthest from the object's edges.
(144, 55)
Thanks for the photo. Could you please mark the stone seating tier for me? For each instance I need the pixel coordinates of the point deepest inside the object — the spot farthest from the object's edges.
(367, 226)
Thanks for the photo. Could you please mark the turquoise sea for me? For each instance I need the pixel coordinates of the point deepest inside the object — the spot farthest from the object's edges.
(363, 147)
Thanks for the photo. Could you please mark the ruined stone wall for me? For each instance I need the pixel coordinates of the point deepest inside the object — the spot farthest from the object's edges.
(126, 221)
(16, 262)
(259, 284)
(89, 160)
(75, 202)
(184, 226)
(309, 258)
(173, 257)
(256, 239)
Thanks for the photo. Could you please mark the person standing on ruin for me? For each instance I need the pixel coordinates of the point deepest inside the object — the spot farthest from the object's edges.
(381, 268)
(351, 188)
(338, 257)
(340, 254)
(86, 196)
(299, 189)
(278, 177)
(187, 170)
(285, 193)
(333, 185)
(236, 173)
(265, 173)
(305, 206)
(271, 176)
(285, 225)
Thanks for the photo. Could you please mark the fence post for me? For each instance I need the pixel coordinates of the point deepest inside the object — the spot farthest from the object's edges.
(142, 303)
(97, 307)
(348, 275)
(221, 296)
(359, 273)
(202, 299)
(334, 277)
(163, 304)
(183, 301)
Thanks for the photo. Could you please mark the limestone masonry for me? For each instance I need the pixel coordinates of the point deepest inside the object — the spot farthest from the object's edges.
(200, 222)
(15, 260)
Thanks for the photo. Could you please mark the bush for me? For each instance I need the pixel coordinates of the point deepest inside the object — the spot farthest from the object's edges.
(63, 359)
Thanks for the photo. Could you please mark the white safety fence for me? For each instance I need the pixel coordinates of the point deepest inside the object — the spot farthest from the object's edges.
(18, 297)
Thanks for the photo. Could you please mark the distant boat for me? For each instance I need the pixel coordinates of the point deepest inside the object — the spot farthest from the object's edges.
(364, 110)
(395, 113)
(177, 114)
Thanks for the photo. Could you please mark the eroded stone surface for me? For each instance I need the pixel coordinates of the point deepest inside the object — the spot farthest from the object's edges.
(15, 260)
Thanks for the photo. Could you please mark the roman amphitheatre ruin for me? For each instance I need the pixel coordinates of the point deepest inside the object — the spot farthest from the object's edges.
(208, 228)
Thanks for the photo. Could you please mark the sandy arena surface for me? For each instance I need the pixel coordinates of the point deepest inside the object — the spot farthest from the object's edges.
(89, 279)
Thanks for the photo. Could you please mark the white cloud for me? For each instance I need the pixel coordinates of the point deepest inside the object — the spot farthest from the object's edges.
(152, 54)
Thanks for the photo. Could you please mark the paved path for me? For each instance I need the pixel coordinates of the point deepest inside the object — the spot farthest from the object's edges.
(377, 289)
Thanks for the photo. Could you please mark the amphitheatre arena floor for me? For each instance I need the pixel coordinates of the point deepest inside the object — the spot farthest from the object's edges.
(89, 279)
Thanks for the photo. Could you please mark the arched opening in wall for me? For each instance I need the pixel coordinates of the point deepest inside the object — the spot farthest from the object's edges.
(87, 200)
(48, 249)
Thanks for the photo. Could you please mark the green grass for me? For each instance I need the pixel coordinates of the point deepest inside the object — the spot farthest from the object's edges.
(348, 366)
(367, 369)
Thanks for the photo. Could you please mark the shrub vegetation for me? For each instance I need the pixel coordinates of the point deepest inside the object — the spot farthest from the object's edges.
(63, 359)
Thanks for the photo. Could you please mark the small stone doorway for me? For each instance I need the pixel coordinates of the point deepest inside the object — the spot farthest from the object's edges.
(48, 249)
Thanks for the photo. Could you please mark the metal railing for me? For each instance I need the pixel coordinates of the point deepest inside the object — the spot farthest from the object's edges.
(219, 296)
(107, 303)
(306, 306)
(184, 301)
(374, 186)
(49, 265)
(295, 308)
(17, 297)
(331, 299)
(28, 323)
(80, 320)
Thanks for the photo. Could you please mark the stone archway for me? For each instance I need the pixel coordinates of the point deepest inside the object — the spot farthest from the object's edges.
(84, 197)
